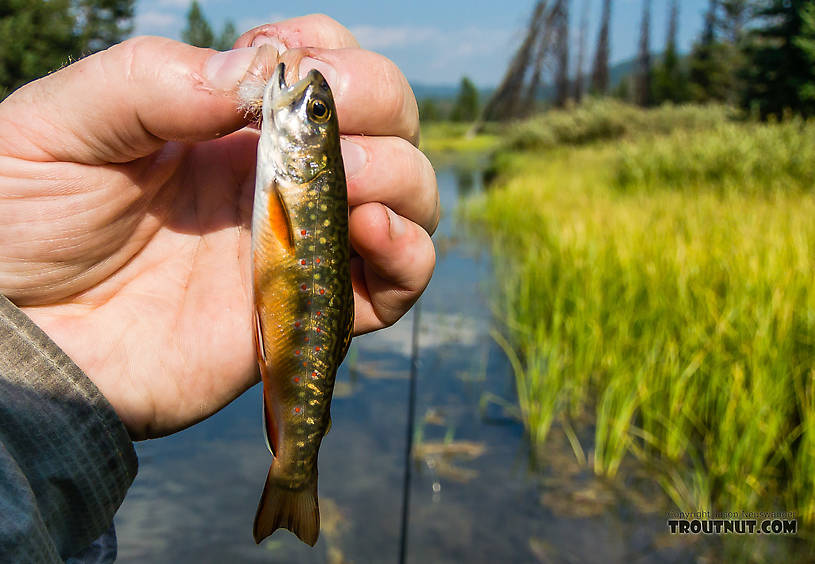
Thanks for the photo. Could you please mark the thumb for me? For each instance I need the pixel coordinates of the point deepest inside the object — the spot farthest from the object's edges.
(125, 102)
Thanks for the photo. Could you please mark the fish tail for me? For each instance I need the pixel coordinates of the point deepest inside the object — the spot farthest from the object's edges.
(295, 510)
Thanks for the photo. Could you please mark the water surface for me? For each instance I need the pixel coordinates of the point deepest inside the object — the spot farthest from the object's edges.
(475, 496)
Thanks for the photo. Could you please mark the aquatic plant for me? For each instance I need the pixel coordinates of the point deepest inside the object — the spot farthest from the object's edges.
(665, 288)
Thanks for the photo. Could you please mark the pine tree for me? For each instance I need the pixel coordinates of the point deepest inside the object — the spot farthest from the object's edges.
(466, 104)
(39, 36)
(599, 73)
(227, 37)
(198, 31)
(781, 56)
(806, 43)
(102, 22)
(669, 82)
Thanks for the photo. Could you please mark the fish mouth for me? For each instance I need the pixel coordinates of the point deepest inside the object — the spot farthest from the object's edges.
(281, 94)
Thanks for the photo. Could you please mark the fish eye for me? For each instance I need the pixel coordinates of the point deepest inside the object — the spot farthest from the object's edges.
(318, 111)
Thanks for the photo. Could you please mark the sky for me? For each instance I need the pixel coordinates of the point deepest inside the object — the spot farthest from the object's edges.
(437, 41)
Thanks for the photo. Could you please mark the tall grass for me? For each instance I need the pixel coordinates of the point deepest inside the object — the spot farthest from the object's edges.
(598, 120)
(681, 320)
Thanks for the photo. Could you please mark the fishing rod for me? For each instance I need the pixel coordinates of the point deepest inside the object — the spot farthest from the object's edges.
(411, 416)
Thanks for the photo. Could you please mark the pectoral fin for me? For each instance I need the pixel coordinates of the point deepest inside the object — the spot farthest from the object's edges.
(280, 219)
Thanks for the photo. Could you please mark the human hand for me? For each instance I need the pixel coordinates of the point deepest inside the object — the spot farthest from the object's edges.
(126, 183)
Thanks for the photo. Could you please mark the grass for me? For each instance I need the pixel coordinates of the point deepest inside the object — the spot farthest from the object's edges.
(601, 120)
(664, 288)
(452, 138)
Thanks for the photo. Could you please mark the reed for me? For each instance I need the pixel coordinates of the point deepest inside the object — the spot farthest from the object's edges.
(664, 288)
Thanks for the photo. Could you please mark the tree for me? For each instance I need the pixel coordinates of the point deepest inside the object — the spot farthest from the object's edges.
(505, 100)
(39, 36)
(669, 82)
(198, 31)
(780, 57)
(643, 91)
(102, 23)
(581, 51)
(429, 110)
(561, 44)
(227, 37)
(466, 105)
(599, 73)
(806, 43)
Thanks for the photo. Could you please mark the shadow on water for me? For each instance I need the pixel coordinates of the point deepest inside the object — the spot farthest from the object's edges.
(475, 496)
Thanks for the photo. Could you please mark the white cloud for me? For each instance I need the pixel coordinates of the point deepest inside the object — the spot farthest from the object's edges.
(176, 3)
(378, 37)
(245, 24)
(154, 22)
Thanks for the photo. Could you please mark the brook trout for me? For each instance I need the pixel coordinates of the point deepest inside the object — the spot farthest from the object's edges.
(304, 302)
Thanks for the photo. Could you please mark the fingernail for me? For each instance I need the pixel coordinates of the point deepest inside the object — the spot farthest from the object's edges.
(269, 40)
(354, 157)
(225, 70)
(396, 225)
(328, 72)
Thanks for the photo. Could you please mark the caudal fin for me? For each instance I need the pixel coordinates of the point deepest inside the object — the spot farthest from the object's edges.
(295, 510)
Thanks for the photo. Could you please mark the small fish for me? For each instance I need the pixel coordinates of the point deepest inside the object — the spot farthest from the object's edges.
(304, 302)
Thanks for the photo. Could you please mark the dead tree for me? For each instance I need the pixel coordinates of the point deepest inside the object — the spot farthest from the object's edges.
(643, 88)
(505, 101)
(542, 51)
(599, 73)
(561, 45)
(581, 52)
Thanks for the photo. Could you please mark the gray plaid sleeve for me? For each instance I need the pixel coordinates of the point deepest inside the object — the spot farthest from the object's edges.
(66, 459)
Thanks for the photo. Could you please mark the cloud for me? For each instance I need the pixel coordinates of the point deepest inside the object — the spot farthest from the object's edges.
(378, 37)
(155, 22)
(245, 24)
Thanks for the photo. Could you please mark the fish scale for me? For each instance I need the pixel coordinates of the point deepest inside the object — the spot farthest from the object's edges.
(302, 288)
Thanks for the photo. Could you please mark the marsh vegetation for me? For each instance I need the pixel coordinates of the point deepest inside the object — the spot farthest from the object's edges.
(654, 285)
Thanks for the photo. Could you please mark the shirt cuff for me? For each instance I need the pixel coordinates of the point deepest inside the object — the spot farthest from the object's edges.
(66, 459)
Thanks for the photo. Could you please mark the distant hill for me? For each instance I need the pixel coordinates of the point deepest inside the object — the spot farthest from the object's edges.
(424, 91)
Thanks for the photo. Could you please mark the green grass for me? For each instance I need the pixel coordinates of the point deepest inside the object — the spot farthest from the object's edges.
(599, 120)
(664, 289)
(443, 137)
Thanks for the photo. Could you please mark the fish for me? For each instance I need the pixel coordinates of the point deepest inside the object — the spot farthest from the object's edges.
(303, 297)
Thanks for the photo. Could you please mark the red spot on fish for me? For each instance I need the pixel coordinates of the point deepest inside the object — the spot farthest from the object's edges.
(322, 291)
(308, 302)
(317, 261)
(318, 329)
(303, 232)
(303, 261)
(307, 339)
(297, 324)
(317, 349)
(297, 352)
(314, 374)
(297, 410)
(304, 363)
(303, 287)
(296, 379)
(319, 313)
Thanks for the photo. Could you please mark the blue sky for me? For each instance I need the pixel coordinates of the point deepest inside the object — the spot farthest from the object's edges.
(435, 42)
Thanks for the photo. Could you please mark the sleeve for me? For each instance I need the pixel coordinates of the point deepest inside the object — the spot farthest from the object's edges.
(66, 460)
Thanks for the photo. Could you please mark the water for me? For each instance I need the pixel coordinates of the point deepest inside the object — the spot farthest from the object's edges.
(475, 495)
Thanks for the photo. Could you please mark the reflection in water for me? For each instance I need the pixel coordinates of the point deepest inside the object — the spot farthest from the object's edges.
(465, 182)
(474, 496)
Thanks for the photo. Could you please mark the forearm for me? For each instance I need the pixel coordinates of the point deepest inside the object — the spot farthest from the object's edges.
(66, 459)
